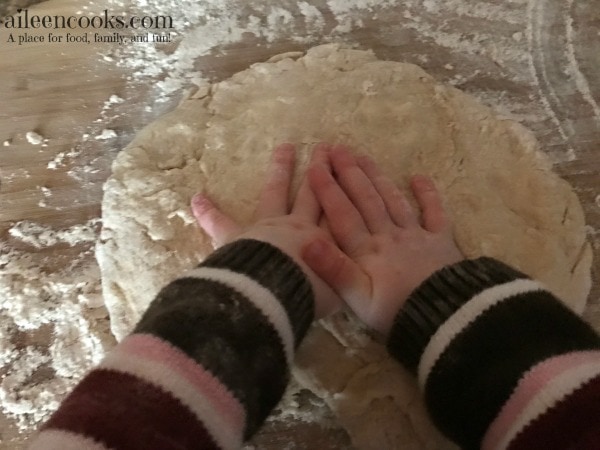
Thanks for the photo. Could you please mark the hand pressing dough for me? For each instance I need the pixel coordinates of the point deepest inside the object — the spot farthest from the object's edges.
(500, 191)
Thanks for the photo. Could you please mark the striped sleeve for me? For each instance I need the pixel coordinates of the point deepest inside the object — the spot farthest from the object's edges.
(503, 364)
(205, 365)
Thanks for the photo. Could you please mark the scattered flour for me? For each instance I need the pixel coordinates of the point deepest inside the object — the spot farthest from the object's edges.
(34, 138)
(110, 103)
(40, 236)
(52, 326)
(106, 134)
(46, 194)
(60, 159)
(114, 99)
(57, 161)
(313, 17)
(344, 8)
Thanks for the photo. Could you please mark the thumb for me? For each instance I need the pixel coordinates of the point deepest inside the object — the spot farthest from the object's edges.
(339, 271)
(219, 226)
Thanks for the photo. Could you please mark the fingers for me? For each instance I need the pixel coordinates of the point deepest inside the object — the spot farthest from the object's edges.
(340, 272)
(216, 224)
(432, 210)
(360, 189)
(345, 222)
(398, 207)
(274, 197)
(306, 204)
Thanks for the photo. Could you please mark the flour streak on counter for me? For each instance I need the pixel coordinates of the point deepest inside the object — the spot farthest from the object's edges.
(580, 80)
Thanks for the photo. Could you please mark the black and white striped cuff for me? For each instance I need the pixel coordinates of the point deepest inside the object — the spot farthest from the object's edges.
(437, 299)
(276, 272)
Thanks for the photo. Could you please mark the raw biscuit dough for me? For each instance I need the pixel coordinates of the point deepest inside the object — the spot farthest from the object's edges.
(503, 197)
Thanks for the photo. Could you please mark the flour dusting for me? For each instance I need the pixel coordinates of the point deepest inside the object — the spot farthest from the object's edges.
(34, 138)
(40, 236)
(53, 327)
(106, 134)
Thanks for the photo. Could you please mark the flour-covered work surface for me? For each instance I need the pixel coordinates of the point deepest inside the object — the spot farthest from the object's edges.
(410, 82)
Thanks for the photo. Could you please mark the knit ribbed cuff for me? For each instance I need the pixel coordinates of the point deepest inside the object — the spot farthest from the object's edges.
(276, 271)
(436, 299)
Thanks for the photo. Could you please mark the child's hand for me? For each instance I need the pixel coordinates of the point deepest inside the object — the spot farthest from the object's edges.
(288, 228)
(386, 251)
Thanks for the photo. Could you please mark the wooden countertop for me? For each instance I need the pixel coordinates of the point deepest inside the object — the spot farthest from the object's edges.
(59, 91)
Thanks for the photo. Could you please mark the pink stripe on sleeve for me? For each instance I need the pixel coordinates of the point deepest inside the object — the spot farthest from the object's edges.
(528, 387)
(156, 350)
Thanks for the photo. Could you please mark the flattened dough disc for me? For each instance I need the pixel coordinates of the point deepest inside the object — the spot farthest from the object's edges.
(503, 197)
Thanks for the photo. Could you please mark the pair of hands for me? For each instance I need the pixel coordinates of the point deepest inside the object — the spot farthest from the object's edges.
(371, 251)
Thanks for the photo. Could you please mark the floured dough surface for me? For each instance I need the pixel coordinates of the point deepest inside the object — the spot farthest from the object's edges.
(504, 200)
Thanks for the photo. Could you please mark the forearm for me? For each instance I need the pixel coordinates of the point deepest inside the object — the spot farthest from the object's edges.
(499, 358)
(205, 365)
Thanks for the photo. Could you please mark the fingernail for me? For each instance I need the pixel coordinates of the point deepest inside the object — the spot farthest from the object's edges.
(199, 199)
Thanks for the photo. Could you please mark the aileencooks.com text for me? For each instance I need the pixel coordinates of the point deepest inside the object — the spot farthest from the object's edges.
(24, 20)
